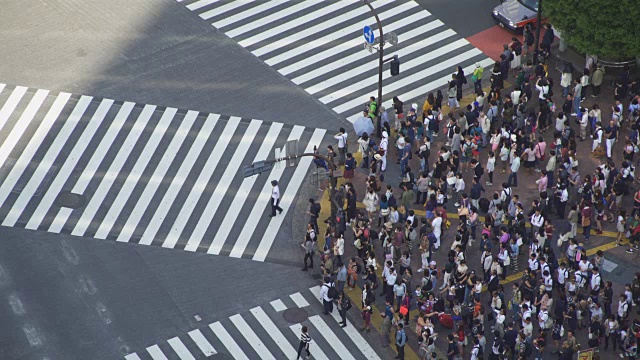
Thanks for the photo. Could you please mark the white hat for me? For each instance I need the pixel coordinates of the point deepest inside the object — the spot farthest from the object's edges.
(377, 156)
(385, 134)
(477, 64)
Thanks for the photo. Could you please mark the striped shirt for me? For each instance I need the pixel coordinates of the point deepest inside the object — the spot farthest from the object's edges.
(305, 338)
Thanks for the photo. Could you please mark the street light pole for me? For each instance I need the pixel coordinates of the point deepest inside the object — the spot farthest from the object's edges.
(380, 62)
(536, 49)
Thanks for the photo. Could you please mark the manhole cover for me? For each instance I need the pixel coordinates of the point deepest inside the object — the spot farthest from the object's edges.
(70, 200)
(295, 315)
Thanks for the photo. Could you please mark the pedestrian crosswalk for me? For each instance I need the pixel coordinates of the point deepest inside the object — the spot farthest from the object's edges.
(318, 45)
(261, 333)
(146, 174)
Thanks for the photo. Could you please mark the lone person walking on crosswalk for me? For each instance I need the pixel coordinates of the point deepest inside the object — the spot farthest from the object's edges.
(305, 339)
(275, 199)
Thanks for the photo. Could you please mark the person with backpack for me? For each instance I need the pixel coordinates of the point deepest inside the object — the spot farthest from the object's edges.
(344, 304)
(328, 293)
(476, 78)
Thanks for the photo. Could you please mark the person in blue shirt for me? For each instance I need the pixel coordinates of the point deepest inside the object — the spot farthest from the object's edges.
(401, 341)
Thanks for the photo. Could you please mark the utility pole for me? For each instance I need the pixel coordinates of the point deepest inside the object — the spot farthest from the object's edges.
(380, 62)
(538, 27)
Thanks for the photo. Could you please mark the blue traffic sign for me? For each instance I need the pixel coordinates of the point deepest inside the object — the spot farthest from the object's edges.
(369, 36)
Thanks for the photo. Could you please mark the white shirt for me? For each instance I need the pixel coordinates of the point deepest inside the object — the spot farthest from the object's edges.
(474, 352)
(542, 318)
(537, 220)
(584, 266)
(543, 91)
(324, 292)
(391, 278)
(562, 275)
(534, 264)
(437, 226)
(275, 192)
(564, 195)
(342, 139)
(622, 308)
(339, 246)
(595, 282)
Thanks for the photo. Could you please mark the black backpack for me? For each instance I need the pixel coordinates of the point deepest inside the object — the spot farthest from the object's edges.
(332, 292)
(518, 50)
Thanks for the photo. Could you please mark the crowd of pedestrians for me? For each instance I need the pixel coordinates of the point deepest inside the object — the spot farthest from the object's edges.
(404, 262)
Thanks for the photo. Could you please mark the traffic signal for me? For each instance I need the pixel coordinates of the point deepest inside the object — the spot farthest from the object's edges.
(395, 66)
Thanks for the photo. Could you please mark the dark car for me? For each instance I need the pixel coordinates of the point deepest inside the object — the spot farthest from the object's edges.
(515, 14)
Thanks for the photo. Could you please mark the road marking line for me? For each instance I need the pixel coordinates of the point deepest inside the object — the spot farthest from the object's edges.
(271, 18)
(89, 171)
(364, 68)
(132, 356)
(421, 90)
(45, 165)
(178, 180)
(296, 21)
(351, 331)
(287, 198)
(200, 4)
(251, 337)
(331, 338)
(299, 300)
(162, 167)
(156, 353)
(274, 332)
(21, 125)
(318, 354)
(222, 9)
(261, 203)
(228, 20)
(97, 198)
(317, 28)
(242, 194)
(218, 194)
(228, 341)
(180, 349)
(446, 63)
(34, 143)
(202, 342)
(124, 193)
(345, 31)
(11, 103)
(346, 60)
(278, 305)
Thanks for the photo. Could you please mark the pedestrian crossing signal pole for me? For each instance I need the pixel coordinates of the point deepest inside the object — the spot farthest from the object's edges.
(536, 49)
(380, 62)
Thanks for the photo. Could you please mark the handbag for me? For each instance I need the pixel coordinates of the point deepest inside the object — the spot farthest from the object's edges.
(507, 261)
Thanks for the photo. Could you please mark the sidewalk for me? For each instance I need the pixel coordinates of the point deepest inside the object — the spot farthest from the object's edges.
(527, 190)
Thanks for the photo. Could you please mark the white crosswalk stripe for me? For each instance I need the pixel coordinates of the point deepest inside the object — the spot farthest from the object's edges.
(260, 333)
(143, 174)
(319, 46)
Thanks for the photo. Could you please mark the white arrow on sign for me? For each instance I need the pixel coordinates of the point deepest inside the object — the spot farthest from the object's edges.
(368, 34)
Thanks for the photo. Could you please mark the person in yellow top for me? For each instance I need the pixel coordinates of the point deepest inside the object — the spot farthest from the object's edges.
(428, 104)
(476, 78)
